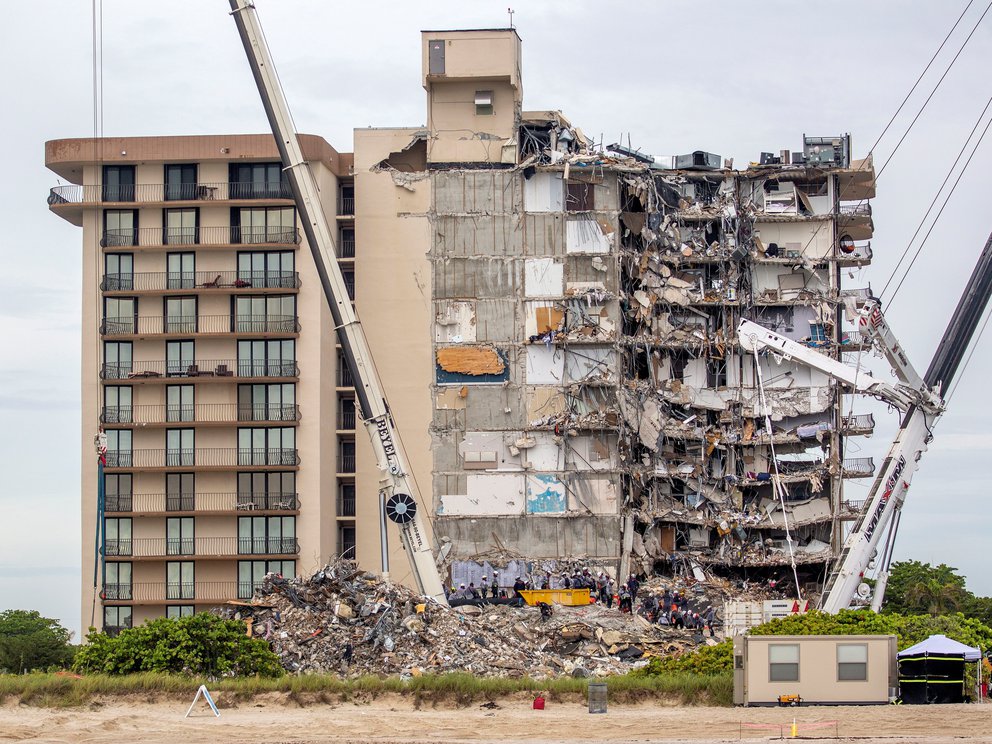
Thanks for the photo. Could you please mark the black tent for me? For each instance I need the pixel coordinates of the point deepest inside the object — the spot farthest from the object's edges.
(933, 671)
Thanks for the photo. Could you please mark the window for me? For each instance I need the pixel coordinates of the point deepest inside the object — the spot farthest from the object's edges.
(177, 611)
(275, 402)
(266, 535)
(179, 536)
(346, 413)
(120, 227)
(118, 272)
(179, 403)
(346, 456)
(783, 662)
(179, 357)
(117, 362)
(117, 536)
(347, 198)
(581, 197)
(251, 573)
(817, 333)
(119, 448)
(267, 446)
(346, 244)
(272, 358)
(180, 181)
(266, 491)
(716, 373)
(117, 407)
(271, 269)
(263, 225)
(348, 274)
(180, 491)
(118, 183)
(181, 268)
(483, 103)
(346, 499)
(116, 619)
(179, 451)
(120, 315)
(179, 583)
(117, 492)
(117, 582)
(265, 314)
(346, 540)
(258, 181)
(180, 315)
(181, 227)
(852, 662)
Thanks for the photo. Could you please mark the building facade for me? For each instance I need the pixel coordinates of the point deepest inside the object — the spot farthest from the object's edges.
(554, 322)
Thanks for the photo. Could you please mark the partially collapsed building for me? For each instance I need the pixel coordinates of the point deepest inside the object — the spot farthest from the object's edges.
(554, 322)
(590, 397)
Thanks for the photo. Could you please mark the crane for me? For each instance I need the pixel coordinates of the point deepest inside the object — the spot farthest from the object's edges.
(920, 401)
(398, 496)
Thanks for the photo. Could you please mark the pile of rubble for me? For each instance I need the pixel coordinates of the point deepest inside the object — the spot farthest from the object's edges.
(347, 621)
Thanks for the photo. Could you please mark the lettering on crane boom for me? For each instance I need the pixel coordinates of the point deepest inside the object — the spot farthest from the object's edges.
(388, 448)
(890, 485)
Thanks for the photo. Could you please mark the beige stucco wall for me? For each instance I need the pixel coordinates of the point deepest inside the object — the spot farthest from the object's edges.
(392, 281)
(818, 681)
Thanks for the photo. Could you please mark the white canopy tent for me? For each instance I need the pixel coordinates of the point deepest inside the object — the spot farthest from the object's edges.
(941, 644)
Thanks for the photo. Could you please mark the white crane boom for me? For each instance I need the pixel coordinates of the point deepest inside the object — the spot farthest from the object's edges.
(920, 406)
(397, 490)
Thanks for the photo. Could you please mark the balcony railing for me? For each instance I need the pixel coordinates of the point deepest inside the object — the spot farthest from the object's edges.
(205, 368)
(214, 235)
(347, 205)
(344, 374)
(202, 502)
(220, 457)
(197, 280)
(162, 591)
(199, 413)
(858, 422)
(346, 505)
(857, 209)
(154, 547)
(858, 466)
(346, 248)
(184, 325)
(346, 415)
(158, 192)
(346, 463)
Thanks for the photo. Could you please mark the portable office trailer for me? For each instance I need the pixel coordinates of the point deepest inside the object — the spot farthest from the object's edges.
(821, 670)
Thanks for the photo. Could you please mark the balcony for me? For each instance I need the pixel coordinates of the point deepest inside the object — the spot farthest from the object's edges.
(861, 423)
(158, 325)
(346, 505)
(344, 374)
(858, 467)
(164, 503)
(202, 547)
(200, 236)
(64, 195)
(162, 591)
(226, 236)
(200, 413)
(162, 281)
(220, 458)
(199, 370)
(346, 462)
(346, 247)
(346, 415)
(347, 206)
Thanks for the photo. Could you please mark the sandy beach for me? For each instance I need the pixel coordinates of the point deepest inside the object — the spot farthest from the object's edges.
(273, 718)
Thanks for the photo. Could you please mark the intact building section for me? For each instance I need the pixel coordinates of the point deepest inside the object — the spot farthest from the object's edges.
(208, 362)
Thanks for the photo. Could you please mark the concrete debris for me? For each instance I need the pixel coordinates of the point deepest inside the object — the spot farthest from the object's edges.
(348, 621)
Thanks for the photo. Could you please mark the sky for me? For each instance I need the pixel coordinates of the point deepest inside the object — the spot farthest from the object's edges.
(734, 78)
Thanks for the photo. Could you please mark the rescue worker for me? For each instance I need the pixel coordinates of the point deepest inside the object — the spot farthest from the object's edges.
(484, 587)
(519, 585)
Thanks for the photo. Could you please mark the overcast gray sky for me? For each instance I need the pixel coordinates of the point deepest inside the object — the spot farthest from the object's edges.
(733, 78)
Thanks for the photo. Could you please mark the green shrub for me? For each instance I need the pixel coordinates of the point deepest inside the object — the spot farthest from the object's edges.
(201, 644)
(29, 641)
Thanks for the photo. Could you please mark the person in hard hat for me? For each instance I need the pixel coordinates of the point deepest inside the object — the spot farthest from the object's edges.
(519, 585)
(462, 592)
(494, 589)
(484, 586)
